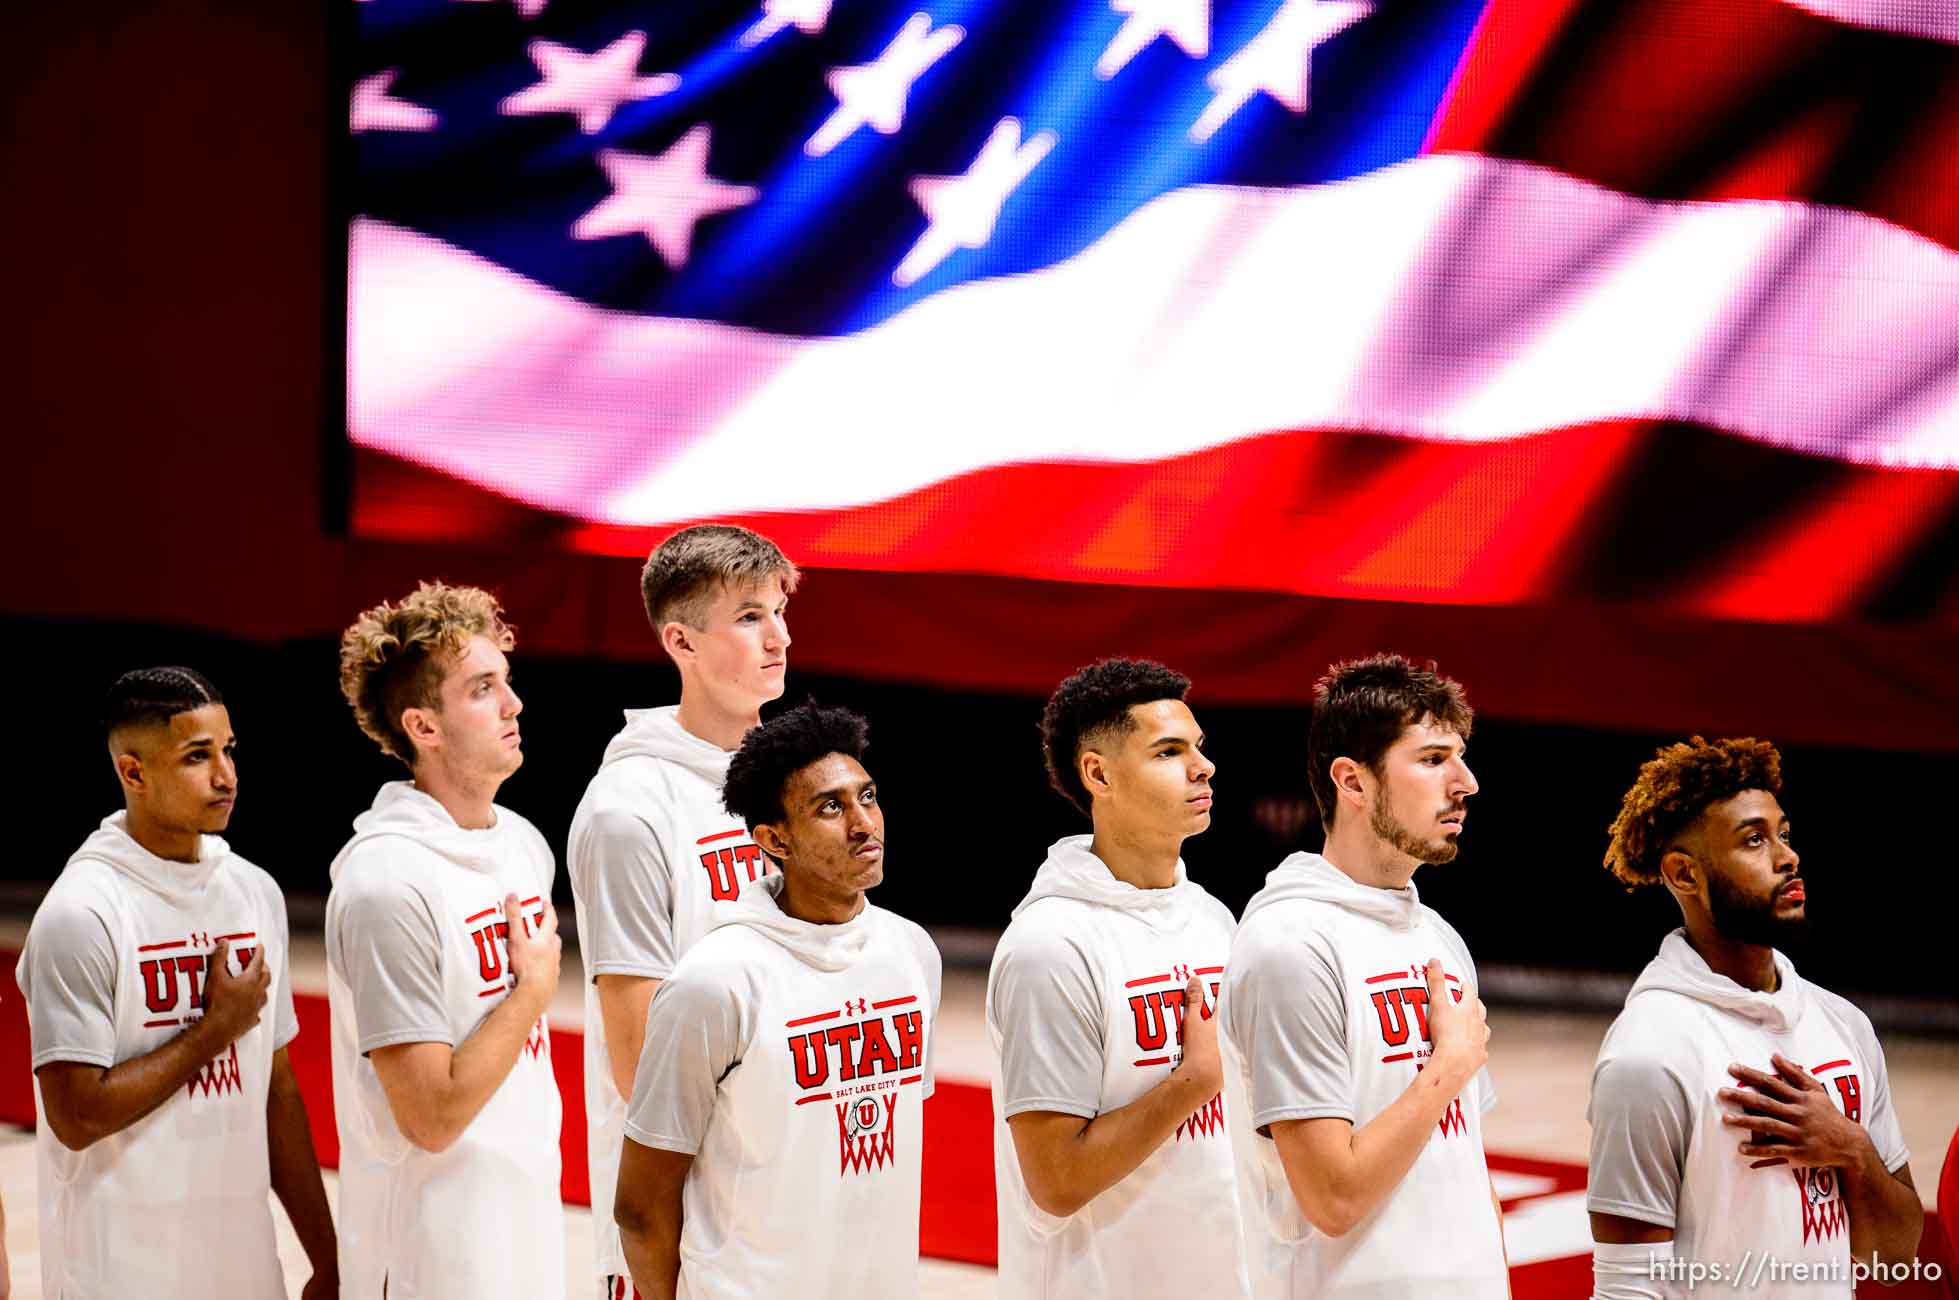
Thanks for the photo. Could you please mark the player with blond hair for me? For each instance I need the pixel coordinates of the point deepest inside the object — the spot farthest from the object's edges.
(1736, 1108)
(654, 857)
(442, 956)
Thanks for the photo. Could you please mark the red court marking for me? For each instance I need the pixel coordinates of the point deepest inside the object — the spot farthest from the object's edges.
(719, 835)
(893, 1002)
(159, 947)
(804, 1101)
(1828, 1065)
(488, 911)
(1398, 1056)
(1209, 970)
(1148, 979)
(1151, 1060)
(810, 1020)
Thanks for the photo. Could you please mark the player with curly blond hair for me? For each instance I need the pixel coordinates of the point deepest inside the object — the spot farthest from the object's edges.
(1736, 1108)
(442, 955)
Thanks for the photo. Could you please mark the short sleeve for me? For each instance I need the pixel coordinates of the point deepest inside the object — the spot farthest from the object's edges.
(388, 949)
(693, 1038)
(934, 967)
(1641, 1119)
(285, 1018)
(1881, 1118)
(1042, 998)
(1288, 1024)
(625, 917)
(68, 975)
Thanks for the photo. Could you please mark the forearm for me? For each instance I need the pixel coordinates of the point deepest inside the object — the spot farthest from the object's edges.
(622, 1005)
(652, 1247)
(1108, 1148)
(1348, 1182)
(649, 1209)
(92, 1103)
(479, 1066)
(1886, 1218)
(295, 1171)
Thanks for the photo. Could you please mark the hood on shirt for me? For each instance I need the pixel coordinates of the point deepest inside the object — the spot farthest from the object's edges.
(1679, 969)
(825, 947)
(657, 733)
(400, 809)
(179, 883)
(1073, 871)
(1310, 876)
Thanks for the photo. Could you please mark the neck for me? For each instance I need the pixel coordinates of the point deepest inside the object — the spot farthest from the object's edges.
(172, 843)
(805, 902)
(1144, 859)
(469, 800)
(1366, 857)
(699, 716)
(1751, 965)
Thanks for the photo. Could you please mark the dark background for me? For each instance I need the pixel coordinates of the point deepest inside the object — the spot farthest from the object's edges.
(177, 485)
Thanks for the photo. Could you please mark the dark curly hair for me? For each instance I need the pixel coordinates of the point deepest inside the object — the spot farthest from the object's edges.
(1677, 785)
(778, 749)
(145, 697)
(1093, 704)
(1361, 707)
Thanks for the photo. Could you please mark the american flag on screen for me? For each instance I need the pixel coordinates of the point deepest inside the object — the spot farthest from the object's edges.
(1473, 301)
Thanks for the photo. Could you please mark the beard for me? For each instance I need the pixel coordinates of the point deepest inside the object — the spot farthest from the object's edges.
(1742, 919)
(1388, 827)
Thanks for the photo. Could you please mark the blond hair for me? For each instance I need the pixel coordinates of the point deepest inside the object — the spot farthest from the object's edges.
(390, 657)
(688, 569)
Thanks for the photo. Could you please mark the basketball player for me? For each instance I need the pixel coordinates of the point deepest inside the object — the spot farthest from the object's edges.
(1112, 1166)
(653, 854)
(1352, 1026)
(772, 1139)
(166, 1102)
(442, 955)
(1736, 1107)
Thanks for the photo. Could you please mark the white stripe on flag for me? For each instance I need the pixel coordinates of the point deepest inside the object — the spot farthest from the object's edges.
(1450, 297)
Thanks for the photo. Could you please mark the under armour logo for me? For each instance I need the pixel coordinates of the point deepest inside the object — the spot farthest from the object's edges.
(1182, 972)
(855, 1006)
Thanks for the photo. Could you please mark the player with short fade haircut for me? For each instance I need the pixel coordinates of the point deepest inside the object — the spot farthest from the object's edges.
(654, 857)
(1735, 1106)
(167, 1105)
(772, 1141)
(442, 955)
(1112, 1164)
(1353, 1032)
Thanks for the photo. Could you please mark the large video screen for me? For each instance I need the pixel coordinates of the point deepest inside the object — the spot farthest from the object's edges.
(1466, 301)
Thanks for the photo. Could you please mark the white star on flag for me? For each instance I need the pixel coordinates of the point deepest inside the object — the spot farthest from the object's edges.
(962, 209)
(530, 8)
(662, 197)
(590, 85)
(873, 94)
(374, 109)
(1186, 22)
(808, 16)
(1278, 61)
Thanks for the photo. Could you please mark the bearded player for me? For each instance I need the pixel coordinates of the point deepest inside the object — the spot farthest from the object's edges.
(1111, 1160)
(772, 1140)
(654, 856)
(1736, 1108)
(442, 955)
(167, 1104)
(1352, 1027)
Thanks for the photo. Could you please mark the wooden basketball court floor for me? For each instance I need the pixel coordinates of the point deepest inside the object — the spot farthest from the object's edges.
(1541, 1061)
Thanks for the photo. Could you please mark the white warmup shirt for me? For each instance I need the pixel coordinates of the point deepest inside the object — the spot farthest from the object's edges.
(175, 1204)
(653, 857)
(1660, 1153)
(1325, 1010)
(1085, 1007)
(417, 953)
(792, 1061)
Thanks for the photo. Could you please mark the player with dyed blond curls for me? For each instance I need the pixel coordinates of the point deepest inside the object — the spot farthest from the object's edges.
(654, 856)
(1737, 1109)
(442, 955)
(167, 1105)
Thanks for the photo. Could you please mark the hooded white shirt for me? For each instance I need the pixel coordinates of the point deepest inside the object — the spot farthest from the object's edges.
(175, 1204)
(1085, 1009)
(416, 952)
(792, 1061)
(653, 858)
(1660, 1153)
(1325, 1015)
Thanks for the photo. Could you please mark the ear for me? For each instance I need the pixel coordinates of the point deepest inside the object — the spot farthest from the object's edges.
(129, 773)
(1350, 781)
(768, 837)
(421, 728)
(1681, 873)
(1094, 772)
(675, 640)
